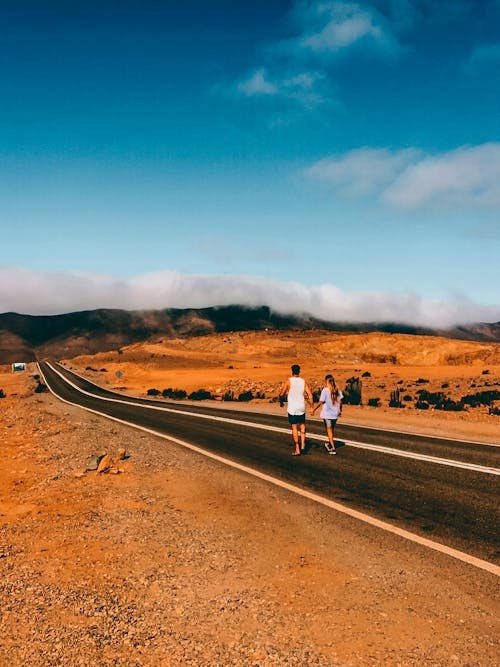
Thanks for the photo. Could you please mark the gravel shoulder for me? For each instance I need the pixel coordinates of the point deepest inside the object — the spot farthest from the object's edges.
(178, 560)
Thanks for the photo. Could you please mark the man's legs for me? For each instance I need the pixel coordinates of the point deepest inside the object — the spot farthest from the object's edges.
(295, 436)
(302, 437)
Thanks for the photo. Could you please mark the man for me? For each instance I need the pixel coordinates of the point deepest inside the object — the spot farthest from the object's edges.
(296, 388)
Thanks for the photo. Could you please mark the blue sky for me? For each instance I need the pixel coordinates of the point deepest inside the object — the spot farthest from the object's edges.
(337, 157)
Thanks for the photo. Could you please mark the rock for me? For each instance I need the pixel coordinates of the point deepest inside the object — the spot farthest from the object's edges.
(95, 461)
(105, 464)
(121, 454)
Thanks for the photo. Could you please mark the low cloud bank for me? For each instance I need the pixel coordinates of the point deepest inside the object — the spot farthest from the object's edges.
(50, 293)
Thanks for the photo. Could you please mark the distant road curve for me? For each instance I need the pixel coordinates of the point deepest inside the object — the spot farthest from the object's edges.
(386, 477)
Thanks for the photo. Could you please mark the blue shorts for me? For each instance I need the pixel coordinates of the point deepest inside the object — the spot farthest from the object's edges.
(296, 419)
(329, 423)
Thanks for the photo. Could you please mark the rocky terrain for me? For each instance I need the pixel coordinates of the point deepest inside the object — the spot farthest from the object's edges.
(177, 560)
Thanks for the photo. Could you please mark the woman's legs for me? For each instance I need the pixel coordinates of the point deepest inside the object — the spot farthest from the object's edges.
(330, 425)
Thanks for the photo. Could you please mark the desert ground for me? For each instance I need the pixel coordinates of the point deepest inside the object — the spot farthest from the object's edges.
(180, 561)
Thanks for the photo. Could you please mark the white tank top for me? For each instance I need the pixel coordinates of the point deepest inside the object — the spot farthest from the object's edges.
(296, 402)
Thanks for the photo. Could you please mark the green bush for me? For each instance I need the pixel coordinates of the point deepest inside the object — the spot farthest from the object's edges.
(352, 391)
(481, 398)
(2, 393)
(245, 396)
(374, 402)
(200, 395)
(153, 392)
(178, 394)
(395, 399)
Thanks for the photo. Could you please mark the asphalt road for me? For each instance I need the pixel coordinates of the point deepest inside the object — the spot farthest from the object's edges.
(455, 506)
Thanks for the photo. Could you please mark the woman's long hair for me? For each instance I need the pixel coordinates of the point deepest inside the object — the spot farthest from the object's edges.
(330, 383)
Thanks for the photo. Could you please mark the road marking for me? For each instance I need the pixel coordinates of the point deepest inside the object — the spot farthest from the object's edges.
(338, 507)
(488, 470)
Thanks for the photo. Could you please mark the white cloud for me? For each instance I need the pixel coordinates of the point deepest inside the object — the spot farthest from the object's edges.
(362, 172)
(467, 177)
(329, 27)
(307, 88)
(257, 84)
(36, 292)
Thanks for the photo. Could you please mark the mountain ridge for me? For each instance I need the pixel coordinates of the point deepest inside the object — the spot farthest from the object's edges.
(27, 337)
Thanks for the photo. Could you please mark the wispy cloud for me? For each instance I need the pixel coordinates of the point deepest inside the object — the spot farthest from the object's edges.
(486, 55)
(308, 89)
(227, 250)
(37, 292)
(467, 177)
(295, 66)
(331, 27)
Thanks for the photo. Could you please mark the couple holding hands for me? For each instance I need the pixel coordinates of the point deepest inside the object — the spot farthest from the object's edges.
(330, 401)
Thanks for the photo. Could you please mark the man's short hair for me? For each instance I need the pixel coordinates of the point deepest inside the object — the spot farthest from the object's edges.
(296, 369)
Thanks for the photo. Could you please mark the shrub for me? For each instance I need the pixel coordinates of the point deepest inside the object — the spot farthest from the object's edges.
(485, 372)
(432, 397)
(421, 405)
(41, 387)
(178, 394)
(422, 381)
(228, 395)
(450, 406)
(167, 393)
(481, 398)
(374, 402)
(153, 392)
(407, 397)
(395, 399)
(245, 396)
(366, 374)
(494, 410)
(104, 370)
(352, 391)
(200, 395)
(2, 393)
(445, 385)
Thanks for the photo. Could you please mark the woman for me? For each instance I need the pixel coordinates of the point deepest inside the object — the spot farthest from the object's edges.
(331, 400)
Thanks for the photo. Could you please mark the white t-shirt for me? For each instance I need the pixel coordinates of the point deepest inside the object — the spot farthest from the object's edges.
(296, 402)
(330, 410)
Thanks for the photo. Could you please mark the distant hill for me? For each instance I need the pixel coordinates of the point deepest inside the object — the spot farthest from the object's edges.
(26, 337)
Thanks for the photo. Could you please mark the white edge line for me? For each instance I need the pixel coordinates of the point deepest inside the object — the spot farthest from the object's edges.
(377, 523)
(370, 428)
(474, 467)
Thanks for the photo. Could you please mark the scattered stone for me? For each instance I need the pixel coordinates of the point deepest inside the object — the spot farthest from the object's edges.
(105, 464)
(95, 461)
